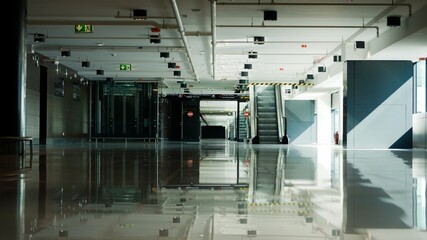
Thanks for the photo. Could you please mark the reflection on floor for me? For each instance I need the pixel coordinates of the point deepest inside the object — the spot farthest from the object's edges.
(213, 189)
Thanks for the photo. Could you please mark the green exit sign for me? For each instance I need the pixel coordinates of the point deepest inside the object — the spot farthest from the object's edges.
(83, 28)
(125, 67)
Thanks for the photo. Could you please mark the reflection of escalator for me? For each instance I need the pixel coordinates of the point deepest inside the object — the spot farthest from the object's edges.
(267, 116)
(266, 175)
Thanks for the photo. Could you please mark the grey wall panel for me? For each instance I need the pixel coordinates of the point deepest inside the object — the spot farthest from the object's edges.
(378, 104)
(300, 119)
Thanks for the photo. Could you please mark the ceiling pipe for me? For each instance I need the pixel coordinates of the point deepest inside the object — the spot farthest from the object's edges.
(272, 3)
(299, 42)
(102, 23)
(213, 30)
(296, 26)
(184, 38)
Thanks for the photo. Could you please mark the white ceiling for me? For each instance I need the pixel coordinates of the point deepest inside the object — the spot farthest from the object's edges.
(118, 38)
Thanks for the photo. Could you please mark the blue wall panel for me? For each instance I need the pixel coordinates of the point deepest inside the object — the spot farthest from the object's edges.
(378, 104)
(300, 119)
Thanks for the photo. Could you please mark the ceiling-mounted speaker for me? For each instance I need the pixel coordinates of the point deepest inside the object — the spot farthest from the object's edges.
(139, 14)
(38, 37)
(270, 15)
(155, 39)
(253, 55)
(177, 73)
(393, 21)
(244, 74)
(99, 72)
(248, 66)
(164, 55)
(321, 69)
(259, 40)
(337, 58)
(360, 44)
(85, 64)
(65, 53)
(171, 65)
(310, 76)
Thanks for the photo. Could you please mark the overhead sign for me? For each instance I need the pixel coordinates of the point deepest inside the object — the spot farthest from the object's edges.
(83, 28)
(125, 67)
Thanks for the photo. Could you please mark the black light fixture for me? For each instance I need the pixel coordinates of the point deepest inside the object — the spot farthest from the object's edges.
(248, 66)
(109, 79)
(38, 37)
(310, 76)
(259, 40)
(253, 55)
(155, 39)
(99, 72)
(65, 53)
(321, 69)
(393, 21)
(183, 85)
(164, 55)
(360, 44)
(301, 82)
(244, 74)
(270, 15)
(177, 73)
(243, 81)
(337, 58)
(85, 64)
(139, 14)
(171, 65)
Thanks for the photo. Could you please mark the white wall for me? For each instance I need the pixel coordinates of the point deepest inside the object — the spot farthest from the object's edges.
(324, 120)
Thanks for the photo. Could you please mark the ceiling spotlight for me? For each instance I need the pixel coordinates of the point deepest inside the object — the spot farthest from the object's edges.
(155, 39)
(99, 72)
(321, 69)
(65, 53)
(337, 58)
(248, 66)
(171, 65)
(38, 37)
(259, 40)
(177, 73)
(244, 74)
(393, 21)
(253, 55)
(139, 14)
(310, 76)
(164, 55)
(360, 44)
(85, 64)
(270, 15)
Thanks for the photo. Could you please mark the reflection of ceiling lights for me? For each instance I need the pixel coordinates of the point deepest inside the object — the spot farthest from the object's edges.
(85, 64)
(38, 37)
(65, 53)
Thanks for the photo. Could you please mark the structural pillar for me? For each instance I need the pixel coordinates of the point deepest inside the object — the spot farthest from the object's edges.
(12, 100)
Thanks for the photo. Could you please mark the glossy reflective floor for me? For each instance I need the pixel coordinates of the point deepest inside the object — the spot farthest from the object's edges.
(214, 189)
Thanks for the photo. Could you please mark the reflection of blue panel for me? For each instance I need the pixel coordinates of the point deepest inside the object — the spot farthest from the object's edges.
(379, 196)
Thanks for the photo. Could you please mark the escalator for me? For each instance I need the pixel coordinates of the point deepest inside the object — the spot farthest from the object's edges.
(267, 123)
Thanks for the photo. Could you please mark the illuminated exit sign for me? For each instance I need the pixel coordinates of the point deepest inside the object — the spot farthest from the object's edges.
(125, 67)
(83, 28)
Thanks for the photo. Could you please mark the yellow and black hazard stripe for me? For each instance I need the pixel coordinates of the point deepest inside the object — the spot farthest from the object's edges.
(279, 84)
(300, 204)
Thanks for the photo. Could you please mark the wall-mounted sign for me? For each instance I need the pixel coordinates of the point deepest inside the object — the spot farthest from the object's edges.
(83, 28)
(125, 67)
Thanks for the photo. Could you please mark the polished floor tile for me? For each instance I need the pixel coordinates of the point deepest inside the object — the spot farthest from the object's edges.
(214, 189)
